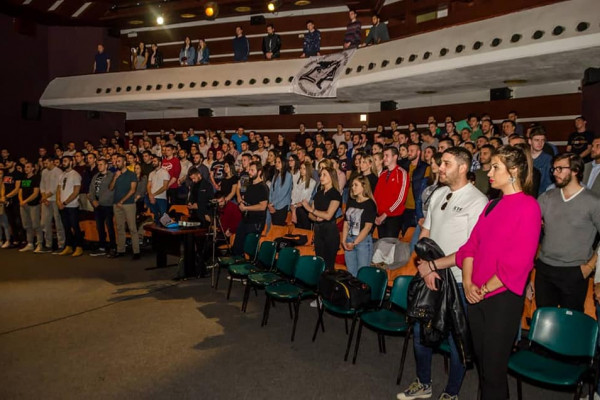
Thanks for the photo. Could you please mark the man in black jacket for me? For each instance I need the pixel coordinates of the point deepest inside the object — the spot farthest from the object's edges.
(199, 197)
(271, 45)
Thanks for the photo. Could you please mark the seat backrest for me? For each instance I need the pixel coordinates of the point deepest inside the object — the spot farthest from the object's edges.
(399, 295)
(266, 254)
(564, 331)
(376, 278)
(286, 262)
(251, 245)
(309, 270)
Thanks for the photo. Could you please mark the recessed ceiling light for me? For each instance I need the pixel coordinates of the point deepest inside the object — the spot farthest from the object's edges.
(301, 3)
(136, 22)
(426, 91)
(160, 20)
(513, 82)
(188, 15)
(243, 9)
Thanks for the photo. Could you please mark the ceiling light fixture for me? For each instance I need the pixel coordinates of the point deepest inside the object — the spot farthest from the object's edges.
(160, 20)
(187, 15)
(81, 9)
(273, 5)
(211, 10)
(136, 22)
(243, 9)
(301, 3)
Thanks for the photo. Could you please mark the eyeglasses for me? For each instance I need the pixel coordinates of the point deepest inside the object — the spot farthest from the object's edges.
(448, 197)
(558, 169)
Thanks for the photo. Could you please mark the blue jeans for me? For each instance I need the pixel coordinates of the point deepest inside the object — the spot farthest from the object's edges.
(415, 238)
(423, 355)
(598, 316)
(360, 256)
(158, 208)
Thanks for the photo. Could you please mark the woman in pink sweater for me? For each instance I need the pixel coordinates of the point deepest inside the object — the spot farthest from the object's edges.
(496, 262)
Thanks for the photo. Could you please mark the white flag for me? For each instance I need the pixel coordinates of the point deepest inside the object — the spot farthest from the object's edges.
(319, 76)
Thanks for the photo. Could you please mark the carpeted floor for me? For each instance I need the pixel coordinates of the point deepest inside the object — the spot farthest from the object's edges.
(96, 328)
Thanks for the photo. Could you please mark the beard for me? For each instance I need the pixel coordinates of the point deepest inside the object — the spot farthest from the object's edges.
(564, 182)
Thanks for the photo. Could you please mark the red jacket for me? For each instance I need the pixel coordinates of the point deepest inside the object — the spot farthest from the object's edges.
(173, 167)
(391, 192)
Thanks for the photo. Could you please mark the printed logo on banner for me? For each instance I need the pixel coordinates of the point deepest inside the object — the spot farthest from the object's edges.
(319, 76)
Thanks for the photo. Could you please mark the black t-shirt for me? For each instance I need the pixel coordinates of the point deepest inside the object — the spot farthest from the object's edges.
(579, 141)
(372, 178)
(322, 200)
(344, 164)
(244, 182)
(10, 180)
(27, 186)
(227, 184)
(255, 193)
(358, 214)
(218, 170)
(201, 193)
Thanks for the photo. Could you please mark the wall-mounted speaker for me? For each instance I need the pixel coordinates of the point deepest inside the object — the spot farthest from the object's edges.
(591, 76)
(287, 110)
(503, 93)
(389, 105)
(205, 112)
(257, 20)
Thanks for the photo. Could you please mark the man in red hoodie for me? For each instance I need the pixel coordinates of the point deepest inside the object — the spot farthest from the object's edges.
(172, 165)
(390, 195)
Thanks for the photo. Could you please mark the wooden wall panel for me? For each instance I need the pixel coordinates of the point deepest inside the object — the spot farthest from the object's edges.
(537, 107)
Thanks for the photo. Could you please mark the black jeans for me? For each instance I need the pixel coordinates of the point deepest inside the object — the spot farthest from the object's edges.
(390, 227)
(494, 323)
(560, 286)
(70, 220)
(104, 221)
(279, 216)
(243, 229)
(327, 242)
(303, 222)
(408, 219)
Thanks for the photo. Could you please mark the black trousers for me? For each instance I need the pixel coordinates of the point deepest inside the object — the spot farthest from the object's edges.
(327, 242)
(390, 227)
(104, 221)
(302, 217)
(560, 286)
(494, 323)
(408, 219)
(70, 220)
(279, 216)
(243, 229)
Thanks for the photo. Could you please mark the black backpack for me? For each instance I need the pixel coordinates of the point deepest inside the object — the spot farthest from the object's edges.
(342, 289)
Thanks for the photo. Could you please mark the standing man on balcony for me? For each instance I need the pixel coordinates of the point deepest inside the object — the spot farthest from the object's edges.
(377, 34)
(352, 36)
(271, 45)
(101, 61)
(312, 42)
(241, 46)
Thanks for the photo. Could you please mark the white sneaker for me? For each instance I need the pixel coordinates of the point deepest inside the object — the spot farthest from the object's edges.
(6, 245)
(29, 247)
(314, 303)
(39, 248)
(416, 390)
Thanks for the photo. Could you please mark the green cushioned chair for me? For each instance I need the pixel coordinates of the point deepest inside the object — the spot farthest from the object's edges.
(264, 262)
(286, 262)
(571, 338)
(304, 286)
(389, 321)
(377, 279)
(250, 250)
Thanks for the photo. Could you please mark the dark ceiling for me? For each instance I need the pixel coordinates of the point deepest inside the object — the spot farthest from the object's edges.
(139, 13)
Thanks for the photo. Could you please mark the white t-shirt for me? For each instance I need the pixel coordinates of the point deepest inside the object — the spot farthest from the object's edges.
(67, 183)
(450, 228)
(157, 179)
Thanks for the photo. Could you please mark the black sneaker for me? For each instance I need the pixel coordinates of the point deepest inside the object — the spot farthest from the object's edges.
(116, 255)
(136, 256)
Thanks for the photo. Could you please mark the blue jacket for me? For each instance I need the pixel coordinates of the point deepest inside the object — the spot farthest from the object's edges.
(203, 57)
(191, 56)
(312, 43)
(543, 163)
(419, 182)
(241, 48)
(281, 194)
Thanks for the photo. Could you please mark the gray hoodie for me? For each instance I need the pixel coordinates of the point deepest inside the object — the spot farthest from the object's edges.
(99, 190)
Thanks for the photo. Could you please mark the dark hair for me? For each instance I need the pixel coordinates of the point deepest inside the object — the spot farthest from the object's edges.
(310, 21)
(194, 171)
(510, 122)
(296, 164)
(576, 163)
(519, 157)
(437, 157)
(537, 131)
(462, 155)
(497, 139)
(353, 10)
(392, 149)
(489, 147)
(271, 26)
